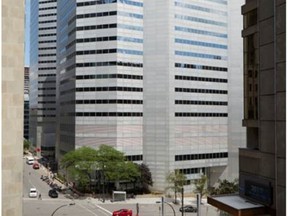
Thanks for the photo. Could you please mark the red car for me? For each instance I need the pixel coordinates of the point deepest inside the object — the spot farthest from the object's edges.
(35, 166)
(122, 212)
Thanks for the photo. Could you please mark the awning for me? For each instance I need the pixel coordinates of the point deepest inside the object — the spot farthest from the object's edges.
(236, 205)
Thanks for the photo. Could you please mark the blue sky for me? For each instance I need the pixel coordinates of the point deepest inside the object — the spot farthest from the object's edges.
(27, 32)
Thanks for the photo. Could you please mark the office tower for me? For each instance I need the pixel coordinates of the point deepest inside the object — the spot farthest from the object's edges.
(12, 106)
(262, 162)
(43, 76)
(186, 92)
(26, 103)
(99, 74)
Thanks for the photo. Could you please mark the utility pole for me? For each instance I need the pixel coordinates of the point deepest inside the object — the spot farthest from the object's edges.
(162, 207)
(198, 204)
(182, 201)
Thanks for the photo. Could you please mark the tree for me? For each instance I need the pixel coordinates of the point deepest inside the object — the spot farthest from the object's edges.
(200, 185)
(176, 180)
(145, 178)
(26, 144)
(225, 187)
(79, 164)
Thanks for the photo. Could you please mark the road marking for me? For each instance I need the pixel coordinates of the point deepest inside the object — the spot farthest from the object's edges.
(87, 209)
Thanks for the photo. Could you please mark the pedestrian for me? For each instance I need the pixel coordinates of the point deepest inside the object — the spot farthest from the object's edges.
(39, 197)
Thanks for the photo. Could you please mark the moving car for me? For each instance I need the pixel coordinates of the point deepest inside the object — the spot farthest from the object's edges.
(188, 208)
(30, 160)
(53, 193)
(33, 192)
(35, 166)
(122, 212)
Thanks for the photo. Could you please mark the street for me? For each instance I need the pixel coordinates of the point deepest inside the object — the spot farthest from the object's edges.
(87, 206)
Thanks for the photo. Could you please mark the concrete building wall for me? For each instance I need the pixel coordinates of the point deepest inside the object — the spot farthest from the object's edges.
(262, 163)
(12, 106)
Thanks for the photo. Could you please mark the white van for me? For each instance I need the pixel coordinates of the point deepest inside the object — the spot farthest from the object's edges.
(30, 160)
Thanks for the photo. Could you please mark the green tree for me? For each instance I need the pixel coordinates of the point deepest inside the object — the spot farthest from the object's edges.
(200, 185)
(26, 144)
(112, 163)
(176, 181)
(225, 187)
(145, 178)
(79, 164)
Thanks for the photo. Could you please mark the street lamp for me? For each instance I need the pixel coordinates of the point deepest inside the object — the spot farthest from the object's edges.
(163, 201)
(61, 207)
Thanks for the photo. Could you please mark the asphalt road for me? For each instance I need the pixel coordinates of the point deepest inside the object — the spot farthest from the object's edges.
(84, 206)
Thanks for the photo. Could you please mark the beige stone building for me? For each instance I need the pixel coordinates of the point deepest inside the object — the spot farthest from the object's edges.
(12, 106)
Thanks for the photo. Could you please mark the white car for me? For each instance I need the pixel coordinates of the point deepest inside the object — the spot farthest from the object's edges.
(33, 192)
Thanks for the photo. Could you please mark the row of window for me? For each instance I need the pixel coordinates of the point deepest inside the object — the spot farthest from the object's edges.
(199, 43)
(52, 61)
(109, 76)
(47, 41)
(48, 28)
(187, 102)
(46, 15)
(47, 68)
(128, 2)
(49, 81)
(203, 79)
(47, 35)
(47, 21)
(201, 156)
(104, 114)
(107, 51)
(134, 157)
(110, 88)
(119, 101)
(47, 75)
(106, 26)
(51, 88)
(195, 7)
(109, 13)
(185, 114)
(48, 54)
(46, 102)
(44, 2)
(200, 67)
(204, 91)
(202, 32)
(191, 171)
(110, 38)
(43, 109)
(111, 63)
(46, 116)
(47, 95)
(201, 20)
(47, 48)
(200, 55)
(48, 8)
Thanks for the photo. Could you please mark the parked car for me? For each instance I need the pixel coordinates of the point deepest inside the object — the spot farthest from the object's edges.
(188, 208)
(29, 160)
(122, 212)
(36, 166)
(33, 192)
(53, 193)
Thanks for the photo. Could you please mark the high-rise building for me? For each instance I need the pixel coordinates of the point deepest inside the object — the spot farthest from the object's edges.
(43, 75)
(192, 74)
(99, 75)
(174, 115)
(12, 106)
(26, 103)
(262, 167)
